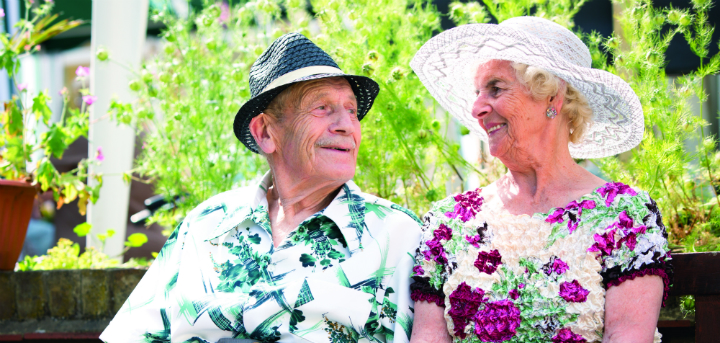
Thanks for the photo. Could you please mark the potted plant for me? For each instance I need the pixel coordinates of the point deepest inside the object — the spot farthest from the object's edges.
(29, 138)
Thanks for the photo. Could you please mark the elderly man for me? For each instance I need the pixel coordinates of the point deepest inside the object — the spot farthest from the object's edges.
(304, 256)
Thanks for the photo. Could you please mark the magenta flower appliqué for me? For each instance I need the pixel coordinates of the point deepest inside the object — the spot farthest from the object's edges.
(436, 252)
(488, 262)
(442, 232)
(498, 321)
(612, 189)
(464, 304)
(418, 270)
(513, 294)
(572, 211)
(556, 265)
(573, 292)
(467, 206)
(566, 335)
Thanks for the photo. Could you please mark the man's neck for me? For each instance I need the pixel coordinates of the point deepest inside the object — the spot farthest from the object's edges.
(292, 200)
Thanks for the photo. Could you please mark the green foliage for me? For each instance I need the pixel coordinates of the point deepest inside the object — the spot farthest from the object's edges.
(189, 94)
(25, 122)
(66, 254)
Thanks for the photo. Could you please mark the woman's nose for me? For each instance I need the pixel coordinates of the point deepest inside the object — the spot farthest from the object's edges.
(480, 107)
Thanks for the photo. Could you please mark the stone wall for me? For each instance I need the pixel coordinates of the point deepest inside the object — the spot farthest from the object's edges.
(63, 301)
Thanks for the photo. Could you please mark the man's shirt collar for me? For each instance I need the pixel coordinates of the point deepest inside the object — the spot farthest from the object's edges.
(347, 210)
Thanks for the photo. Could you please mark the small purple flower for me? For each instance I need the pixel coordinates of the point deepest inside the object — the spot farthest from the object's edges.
(224, 12)
(521, 286)
(464, 303)
(82, 71)
(2, 13)
(605, 243)
(22, 87)
(442, 232)
(418, 270)
(89, 99)
(467, 206)
(498, 321)
(99, 155)
(556, 265)
(474, 240)
(435, 253)
(514, 294)
(573, 211)
(488, 262)
(613, 189)
(573, 292)
(565, 335)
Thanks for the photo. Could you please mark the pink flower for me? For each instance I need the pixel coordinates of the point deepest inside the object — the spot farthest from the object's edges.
(2, 13)
(224, 12)
(22, 87)
(89, 99)
(418, 270)
(488, 262)
(566, 335)
(464, 303)
(99, 155)
(613, 189)
(573, 292)
(82, 71)
(498, 321)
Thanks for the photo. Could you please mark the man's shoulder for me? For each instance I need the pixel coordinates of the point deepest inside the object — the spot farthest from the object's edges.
(224, 202)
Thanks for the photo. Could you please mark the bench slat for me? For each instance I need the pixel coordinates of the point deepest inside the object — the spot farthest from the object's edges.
(707, 317)
(696, 273)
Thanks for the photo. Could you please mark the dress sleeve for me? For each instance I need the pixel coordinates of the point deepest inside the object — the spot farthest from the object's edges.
(635, 243)
(432, 261)
(145, 315)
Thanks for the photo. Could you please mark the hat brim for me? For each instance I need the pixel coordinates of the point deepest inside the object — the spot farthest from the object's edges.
(444, 65)
(364, 88)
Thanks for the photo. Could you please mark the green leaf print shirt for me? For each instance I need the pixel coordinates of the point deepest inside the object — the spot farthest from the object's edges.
(342, 276)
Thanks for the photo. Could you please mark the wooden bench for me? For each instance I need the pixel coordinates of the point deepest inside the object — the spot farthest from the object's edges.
(698, 274)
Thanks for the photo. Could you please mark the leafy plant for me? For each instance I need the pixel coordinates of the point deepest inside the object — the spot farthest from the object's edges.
(26, 119)
(188, 96)
(66, 254)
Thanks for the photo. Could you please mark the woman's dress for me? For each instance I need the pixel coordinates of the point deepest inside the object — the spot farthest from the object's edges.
(539, 278)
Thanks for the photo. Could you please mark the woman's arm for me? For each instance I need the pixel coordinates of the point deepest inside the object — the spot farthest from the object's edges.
(632, 309)
(429, 324)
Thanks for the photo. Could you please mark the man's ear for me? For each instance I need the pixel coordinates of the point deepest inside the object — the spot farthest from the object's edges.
(260, 130)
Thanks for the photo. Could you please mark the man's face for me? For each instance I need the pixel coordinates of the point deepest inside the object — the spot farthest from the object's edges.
(320, 136)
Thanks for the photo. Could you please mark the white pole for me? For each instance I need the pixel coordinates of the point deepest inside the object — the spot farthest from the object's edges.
(120, 27)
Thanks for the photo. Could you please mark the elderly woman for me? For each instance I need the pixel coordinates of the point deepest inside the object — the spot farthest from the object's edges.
(548, 252)
(304, 255)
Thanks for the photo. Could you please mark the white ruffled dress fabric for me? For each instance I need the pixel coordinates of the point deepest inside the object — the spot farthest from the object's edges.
(535, 278)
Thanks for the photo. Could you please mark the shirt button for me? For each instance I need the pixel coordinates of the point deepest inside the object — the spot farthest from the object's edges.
(251, 301)
(271, 267)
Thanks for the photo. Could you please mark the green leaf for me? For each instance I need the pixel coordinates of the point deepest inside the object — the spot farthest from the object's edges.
(46, 174)
(41, 108)
(14, 118)
(83, 229)
(110, 233)
(136, 240)
(307, 260)
(55, 141)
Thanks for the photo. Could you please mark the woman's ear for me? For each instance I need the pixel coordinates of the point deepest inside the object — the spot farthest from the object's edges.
(559, 98)
(261, 131)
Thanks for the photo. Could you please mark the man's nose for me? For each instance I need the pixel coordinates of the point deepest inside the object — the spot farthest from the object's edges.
(344, 121)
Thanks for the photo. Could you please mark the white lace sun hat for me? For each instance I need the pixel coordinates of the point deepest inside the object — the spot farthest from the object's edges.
(446, 66)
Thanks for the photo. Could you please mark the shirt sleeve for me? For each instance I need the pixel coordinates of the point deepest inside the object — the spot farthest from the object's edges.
(145, 314)
(635, 243)
(432, 260)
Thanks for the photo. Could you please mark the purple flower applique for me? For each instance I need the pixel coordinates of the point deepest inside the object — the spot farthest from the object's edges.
(627, 226)
(605, 243)
(418, 270)
(488, 262)
(464, 304)
(565, 335)
(573, 211)
(612, 189)
(498, 321)
(436, 252)
(573, 292)
(556, 265)
(513, 294)
(521, 286)
(467, 205)
(479, 238)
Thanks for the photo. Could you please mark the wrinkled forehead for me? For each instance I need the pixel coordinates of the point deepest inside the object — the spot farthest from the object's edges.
(316, 89)
(479, 70)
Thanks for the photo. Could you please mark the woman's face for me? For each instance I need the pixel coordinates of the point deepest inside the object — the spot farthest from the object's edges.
(513, 120)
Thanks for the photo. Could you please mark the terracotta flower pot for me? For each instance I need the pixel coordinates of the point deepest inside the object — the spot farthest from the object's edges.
(16, 204)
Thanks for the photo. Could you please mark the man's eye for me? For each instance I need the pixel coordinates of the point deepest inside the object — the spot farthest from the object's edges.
(321, 107)
(353, 111)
